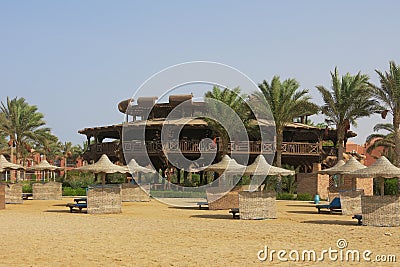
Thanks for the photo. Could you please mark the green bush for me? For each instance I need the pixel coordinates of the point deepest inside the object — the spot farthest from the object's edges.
(27, 188)
(285, 196)
(68, 191)
(304, 197)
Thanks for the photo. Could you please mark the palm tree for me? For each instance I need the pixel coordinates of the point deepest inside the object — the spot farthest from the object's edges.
(236, 102)
(286, 103)
(385, 141)
(389, 96)
(348, 100)
(22, 123)
(48, 145)
(3, 144)
(66, 150)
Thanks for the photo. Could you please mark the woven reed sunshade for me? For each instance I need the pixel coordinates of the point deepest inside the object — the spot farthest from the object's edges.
(133, 166)
(351, 165)
(226, 164)
(44, 165)
(103, 165)
(332, 170)
(260, 166)
(382, 168)
(5, 164)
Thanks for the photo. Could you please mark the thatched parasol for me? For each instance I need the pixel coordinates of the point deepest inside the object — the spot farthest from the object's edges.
(133, 166)
(382, 168)
(104, 166)
(332, 170)
(260, 168)
(5, 164)
(351, 165)
(44, 165)
(226, 164)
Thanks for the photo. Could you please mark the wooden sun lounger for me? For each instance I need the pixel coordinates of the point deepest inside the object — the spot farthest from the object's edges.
(80, 199)
(235, 213)
(26, 195)
(204, 204)
(333, 206)
(79, 206)
(358, 217)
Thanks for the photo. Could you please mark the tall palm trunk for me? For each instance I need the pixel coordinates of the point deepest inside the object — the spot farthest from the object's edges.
(65, 167)
(340, 140)
(396, 124)
(279, 141)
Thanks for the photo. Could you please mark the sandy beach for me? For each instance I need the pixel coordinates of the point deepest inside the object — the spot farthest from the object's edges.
(44, 233)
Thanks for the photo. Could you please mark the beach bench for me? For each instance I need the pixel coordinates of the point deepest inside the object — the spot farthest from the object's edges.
(202, 204)
(358, 217)
(333, 206)
(26, 195)
(235, 213)
(77, 206)
(80, 199)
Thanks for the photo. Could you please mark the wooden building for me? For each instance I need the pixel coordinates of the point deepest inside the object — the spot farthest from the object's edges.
(303, 144)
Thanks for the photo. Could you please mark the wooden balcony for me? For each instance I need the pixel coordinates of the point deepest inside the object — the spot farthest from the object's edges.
(195, 147)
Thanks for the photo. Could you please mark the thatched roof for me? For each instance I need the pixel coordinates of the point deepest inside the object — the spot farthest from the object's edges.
(332, 170)
(351, 165)
(133, 166)
(103, 165)
(5, 164)
(260, 166)
(44, 165)
(226, 164)
(381, 168)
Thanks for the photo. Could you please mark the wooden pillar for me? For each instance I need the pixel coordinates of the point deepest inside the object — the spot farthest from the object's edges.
(185, 177)
(202, 178)
(178, 176)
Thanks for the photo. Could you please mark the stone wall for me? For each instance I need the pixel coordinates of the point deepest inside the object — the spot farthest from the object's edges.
(313, 183)
(14, 194)
(104, 199)
(135, 193)
(47, 191)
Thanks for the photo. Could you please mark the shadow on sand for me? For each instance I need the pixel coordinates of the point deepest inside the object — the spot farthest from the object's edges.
(213, 216)
(331, 222)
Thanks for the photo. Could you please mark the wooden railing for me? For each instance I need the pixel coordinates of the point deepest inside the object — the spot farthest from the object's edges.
(195, 146)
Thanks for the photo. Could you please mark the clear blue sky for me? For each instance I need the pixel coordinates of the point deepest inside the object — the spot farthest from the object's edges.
(76, 60)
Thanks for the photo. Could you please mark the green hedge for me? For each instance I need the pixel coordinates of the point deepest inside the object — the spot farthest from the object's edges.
(69, 191)
(304, 197)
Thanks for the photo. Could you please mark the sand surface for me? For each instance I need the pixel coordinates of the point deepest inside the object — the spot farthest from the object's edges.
(44, 233)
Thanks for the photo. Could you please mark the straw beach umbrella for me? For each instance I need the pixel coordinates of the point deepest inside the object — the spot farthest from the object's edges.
(44, 165)
(351, 165)
(332, 170)
(6, 165)
(261, 168)
(382, 168)
(133, 166)
(226, 164)
(103, 166)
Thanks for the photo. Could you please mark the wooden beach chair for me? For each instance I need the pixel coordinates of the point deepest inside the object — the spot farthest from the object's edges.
(358, 217)
(80, 203)
(333, 206)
